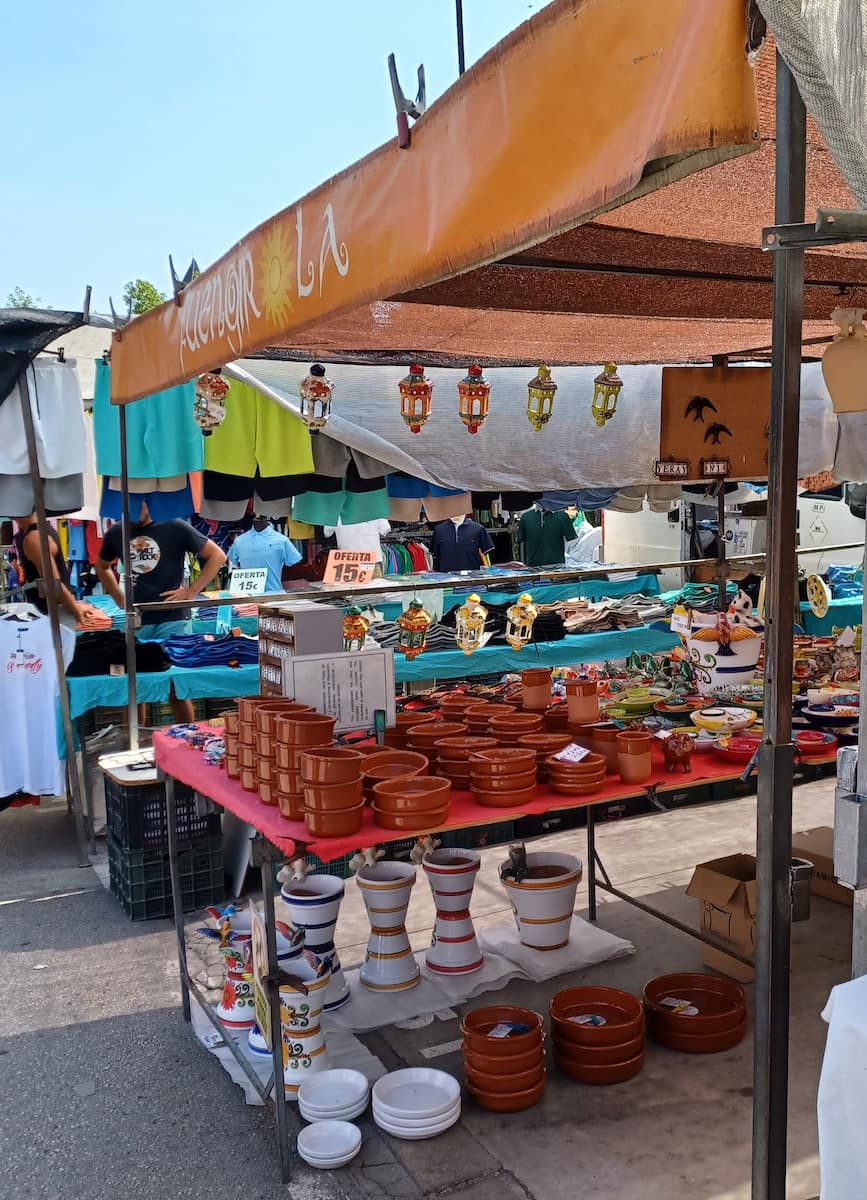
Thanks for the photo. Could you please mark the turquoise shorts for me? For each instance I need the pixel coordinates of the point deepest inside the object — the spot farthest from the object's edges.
(163, 630)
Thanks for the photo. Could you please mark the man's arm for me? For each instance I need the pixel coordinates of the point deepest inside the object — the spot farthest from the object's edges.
(32, 548)
(108, 579)
(212, 559)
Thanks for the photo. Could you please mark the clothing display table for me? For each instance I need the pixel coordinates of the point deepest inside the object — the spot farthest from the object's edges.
(190, 683)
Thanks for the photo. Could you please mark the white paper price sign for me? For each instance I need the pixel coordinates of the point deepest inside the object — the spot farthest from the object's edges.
(249, 582)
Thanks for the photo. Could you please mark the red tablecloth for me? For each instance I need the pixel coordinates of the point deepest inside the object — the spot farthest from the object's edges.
(178, 760)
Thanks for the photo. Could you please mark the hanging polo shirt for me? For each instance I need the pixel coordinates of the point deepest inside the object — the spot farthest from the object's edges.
(544, 535)
(460, 547)
(264, 548)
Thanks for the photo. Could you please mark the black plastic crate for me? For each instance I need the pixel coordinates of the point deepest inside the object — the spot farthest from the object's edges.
(477, 837)
(141, 880)
(136, 814)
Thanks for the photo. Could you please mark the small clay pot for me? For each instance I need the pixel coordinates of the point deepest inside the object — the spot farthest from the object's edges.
(266, 715)
(582, 701)
(264, 745)
(266, 771)
(536, 688)
(290, 782)
(414, 822)
(288, 758)
(633, 756)
(698, 1043)
(513, 1102)
(247, 757)
(249, 781)
(268, 794)
(412, 793)
(544, 744)
(502, 1082)
(231, 721)
(478, 716)
(307, 729)
(612, 1073)
(327, 797)
(231, 742)
(425, 737)
(331, 764)
(477, 1025)
(516, 799)
(247, 706)
(557, 718)
(505, 760)
(515, 724)
(459, 749)
(291, 805)
(341, 822)
(720, 1002)
(233, 766)
(605, 743)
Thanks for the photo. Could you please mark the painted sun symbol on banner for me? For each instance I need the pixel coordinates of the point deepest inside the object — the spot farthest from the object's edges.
(276, 275)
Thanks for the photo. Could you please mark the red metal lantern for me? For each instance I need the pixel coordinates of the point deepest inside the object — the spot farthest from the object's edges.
(415, 397)
(316, 390)
(473, 393)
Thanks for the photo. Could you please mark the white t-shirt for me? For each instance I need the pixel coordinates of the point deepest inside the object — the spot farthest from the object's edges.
(29, 759)
(363, 536)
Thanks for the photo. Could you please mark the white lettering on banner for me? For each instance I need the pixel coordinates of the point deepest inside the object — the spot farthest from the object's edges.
(222, 308)
(330, 245)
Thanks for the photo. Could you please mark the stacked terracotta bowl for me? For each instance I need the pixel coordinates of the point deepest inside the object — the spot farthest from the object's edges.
(694, 1013)
(504, 1057)
(510, 727)
(543, 745)
(395, 735)
(503, 778)
(295, 733)
(231, 740)
(333, 800)
(453, 707)
(390, 764)
(412, 802)
(477, 717)
(598, 1034)
(557, 718)
(453, 757)
(266, 717)
(583, 778)
(423, 738)
(247, 706)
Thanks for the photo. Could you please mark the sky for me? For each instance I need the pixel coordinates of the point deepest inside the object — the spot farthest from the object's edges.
(140, 130)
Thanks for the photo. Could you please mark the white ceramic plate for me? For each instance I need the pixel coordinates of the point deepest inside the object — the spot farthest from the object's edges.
(327, 1164)
(333, 1089)
(329, 1141)
(421, 1131)
(409, 1122)
(416, 1093)
(335, 1114)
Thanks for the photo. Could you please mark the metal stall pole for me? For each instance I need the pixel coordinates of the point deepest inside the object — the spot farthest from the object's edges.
(281, 1108)
(459, 23)
(776, 755)
(128, 606)
(74, 773)
(721, 548)
(177, 897)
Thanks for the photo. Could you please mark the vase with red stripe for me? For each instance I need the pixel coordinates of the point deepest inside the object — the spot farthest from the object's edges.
(389, 965)
(454, 949)
(236, 1009)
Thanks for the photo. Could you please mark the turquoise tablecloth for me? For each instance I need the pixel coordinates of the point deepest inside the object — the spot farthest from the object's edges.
(840, 613)
(191, 683)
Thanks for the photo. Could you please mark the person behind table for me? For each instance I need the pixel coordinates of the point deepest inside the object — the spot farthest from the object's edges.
(29, 549)
(158, 556)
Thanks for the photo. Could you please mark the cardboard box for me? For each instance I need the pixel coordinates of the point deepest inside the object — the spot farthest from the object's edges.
(817, 845)
(726, 891)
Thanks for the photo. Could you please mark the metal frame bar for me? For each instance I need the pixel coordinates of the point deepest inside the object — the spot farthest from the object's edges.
(74, 773)
(128, 585)
(833, 227)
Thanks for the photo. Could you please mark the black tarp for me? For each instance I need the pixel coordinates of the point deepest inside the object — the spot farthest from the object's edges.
(23, 333)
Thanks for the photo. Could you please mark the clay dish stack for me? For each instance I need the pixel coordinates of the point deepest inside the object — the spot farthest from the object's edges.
(391, 764)
(598, 1034)
(695, 1013)
(423, 738)
(453, 757)
(504, 1057)
(503, 778)
(417, 803)
(583, 778)
(543, 745)
(333, 799)
(295, 733)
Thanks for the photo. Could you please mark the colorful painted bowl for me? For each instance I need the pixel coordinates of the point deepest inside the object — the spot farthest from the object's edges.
(722, 719)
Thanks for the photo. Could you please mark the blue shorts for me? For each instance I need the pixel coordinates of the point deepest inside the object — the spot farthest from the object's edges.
(161, 631)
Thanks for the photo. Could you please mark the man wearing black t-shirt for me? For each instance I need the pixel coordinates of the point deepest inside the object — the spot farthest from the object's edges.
(157, 560)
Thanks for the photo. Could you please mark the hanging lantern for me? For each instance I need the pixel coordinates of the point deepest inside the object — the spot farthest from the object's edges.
(355, 628)
(519, 621)
(470, 624)
(415, 397)
(473, 393)
(316, 391)
(209, 408)
(606, 389)
(540, 399)
(413, 626)
(844, 363)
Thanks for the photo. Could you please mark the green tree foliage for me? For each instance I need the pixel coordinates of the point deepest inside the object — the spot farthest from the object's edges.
(139, 295)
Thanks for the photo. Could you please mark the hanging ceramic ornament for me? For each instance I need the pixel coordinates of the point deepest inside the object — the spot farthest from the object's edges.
(470, 624)
(606, 389)
(355, 628)
(316, 390)
(519, 621)
(413, 626)
(541, 391)
(844, 363)
(415, 398)
(209, 409)
(473, 393)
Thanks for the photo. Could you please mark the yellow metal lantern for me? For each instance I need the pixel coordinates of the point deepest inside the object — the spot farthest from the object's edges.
(316, 391)
(415, 397)
(519, 621)
(473, 393)
(470, 624)
(540, 399)
(413, 626)
(355, 628)
(606, 389)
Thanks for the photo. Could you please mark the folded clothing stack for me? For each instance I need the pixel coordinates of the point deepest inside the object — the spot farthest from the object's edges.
(211, 650)
(97, 653)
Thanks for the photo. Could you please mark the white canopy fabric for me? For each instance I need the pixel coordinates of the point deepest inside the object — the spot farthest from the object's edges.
(507, 454)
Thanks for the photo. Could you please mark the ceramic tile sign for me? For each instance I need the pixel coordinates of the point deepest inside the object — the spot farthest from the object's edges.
(351, 686)
(350, 567)
(716, 421)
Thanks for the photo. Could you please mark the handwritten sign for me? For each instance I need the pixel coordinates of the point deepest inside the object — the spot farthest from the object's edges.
(350, 566)
(260, 971)
(249, 582)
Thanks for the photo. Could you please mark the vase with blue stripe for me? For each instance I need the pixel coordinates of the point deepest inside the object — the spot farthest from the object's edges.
(313, 904)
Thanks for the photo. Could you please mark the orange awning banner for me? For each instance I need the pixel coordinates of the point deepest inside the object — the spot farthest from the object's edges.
(587, 105)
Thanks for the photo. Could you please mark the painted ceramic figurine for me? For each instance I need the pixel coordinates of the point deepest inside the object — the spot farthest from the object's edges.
(677, 750)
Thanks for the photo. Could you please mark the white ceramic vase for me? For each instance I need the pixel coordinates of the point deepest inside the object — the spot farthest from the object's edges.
(454, 949)
(717, 664)
(386, 888)
(313, 904)
(543, 903)
(304, 1051)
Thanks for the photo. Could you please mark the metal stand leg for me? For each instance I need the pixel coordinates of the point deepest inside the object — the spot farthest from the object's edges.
(591, 863)
(177, 901)
(276, 1033)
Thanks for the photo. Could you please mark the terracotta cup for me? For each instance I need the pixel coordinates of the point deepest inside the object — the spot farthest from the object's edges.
(231, 721)
(340, 822)
(330, 797)
(266, 715)
(633, 756)
(307, 729)
(582, 700)
(536, 688)
(331, 764)
(605, 743)
(291, 806)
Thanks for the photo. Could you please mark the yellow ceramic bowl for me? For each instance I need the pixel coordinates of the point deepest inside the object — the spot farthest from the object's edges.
(720, 719)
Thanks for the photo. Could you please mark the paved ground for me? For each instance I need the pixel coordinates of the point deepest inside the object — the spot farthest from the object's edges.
(105, 1093)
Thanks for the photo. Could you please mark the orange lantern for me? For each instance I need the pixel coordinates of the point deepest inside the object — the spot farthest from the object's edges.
(473, 393)
(355, 627)
(413, 626)
(316, 390)
(415, 397)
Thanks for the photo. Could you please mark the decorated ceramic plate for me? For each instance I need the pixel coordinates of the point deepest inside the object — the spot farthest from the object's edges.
(832, 715)
(721, 719)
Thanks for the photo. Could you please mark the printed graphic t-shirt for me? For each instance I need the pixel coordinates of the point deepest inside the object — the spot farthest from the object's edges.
(159, 552)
